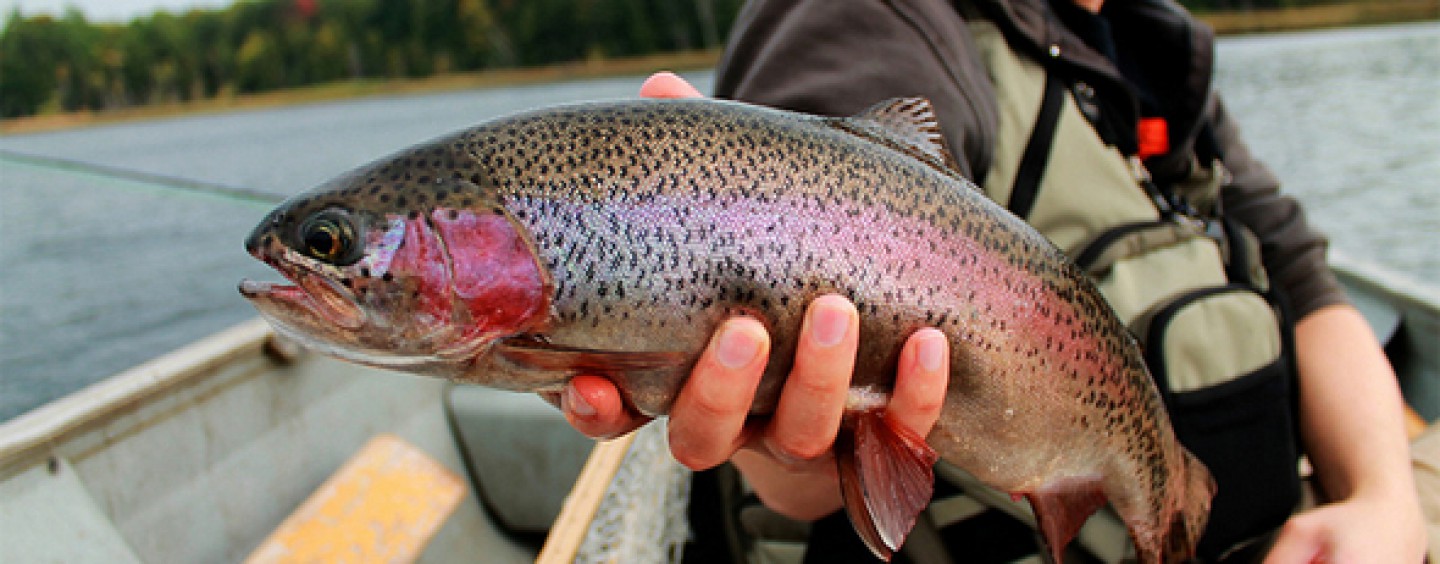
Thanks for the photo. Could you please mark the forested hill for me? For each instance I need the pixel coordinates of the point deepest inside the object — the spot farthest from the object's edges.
(65, 64)
(68, 63)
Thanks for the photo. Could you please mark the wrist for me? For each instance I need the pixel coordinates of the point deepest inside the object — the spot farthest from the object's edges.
(806, 492)
(1392, 498)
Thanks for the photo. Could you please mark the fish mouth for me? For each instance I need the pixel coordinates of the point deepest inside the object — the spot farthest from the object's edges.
(257, 290)
(309, 294)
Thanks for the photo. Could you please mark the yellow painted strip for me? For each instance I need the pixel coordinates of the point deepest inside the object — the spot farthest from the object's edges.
(563, 542)
(383, 505)
(1415, 425)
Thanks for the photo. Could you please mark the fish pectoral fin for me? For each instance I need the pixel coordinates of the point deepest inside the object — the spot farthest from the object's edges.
(537, 354)
(886, 478)
(1062, 507)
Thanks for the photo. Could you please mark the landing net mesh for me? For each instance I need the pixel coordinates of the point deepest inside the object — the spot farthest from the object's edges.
(642, 517)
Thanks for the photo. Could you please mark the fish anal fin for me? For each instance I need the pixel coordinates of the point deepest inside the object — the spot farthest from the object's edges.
(1192, 513)
(540, 355)
(886, 479)
(907, 124)
(1062, 507)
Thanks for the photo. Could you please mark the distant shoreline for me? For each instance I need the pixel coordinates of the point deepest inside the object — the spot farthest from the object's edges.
(348, 89)
(1354, 13)
(1365, 12)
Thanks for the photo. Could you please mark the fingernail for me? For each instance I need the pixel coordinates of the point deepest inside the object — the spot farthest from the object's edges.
(828, 325)
(735, 347)
(931, 352)
(574, 402)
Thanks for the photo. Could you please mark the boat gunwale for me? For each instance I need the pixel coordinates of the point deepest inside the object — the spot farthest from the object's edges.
(30, 436)
(1402, 290)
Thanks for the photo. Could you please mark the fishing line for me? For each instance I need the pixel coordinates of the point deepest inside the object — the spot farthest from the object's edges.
(149, 179)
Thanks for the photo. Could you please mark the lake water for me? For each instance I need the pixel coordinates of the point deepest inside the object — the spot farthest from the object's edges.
(99, 273)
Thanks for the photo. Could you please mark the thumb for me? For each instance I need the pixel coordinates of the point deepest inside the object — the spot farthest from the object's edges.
(668, 85)
(1299, 542)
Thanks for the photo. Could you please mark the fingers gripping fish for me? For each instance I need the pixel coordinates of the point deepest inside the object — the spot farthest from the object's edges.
(612, 238)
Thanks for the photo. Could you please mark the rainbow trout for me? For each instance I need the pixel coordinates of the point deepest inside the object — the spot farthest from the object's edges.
(612, 238)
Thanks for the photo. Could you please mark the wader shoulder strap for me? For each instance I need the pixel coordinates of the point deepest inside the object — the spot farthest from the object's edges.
(1037, 151)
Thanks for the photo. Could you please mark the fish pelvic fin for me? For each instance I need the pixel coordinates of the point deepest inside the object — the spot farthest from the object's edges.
(1062, 507)
(886, 479)
(533, 353)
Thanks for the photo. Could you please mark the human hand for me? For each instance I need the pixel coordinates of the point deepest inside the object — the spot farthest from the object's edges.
(1360, 529)
(790, 461)
(788, 458)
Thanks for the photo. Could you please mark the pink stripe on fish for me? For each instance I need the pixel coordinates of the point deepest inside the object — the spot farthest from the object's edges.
(656, 244)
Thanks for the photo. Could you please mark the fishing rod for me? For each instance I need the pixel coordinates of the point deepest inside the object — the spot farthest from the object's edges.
(149, 178)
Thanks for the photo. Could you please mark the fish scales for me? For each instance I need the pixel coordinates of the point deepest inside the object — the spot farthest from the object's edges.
(654, 221)
(753, 228)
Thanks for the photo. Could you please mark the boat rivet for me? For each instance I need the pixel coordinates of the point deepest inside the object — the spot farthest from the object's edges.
(53, 465)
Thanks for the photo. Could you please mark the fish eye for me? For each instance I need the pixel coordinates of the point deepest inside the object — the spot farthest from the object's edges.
(329, 236)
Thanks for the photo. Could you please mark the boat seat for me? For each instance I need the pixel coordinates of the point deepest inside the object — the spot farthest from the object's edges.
(523, 457)
(383, 505)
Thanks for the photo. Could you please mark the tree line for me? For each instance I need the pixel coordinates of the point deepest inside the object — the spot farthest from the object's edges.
(68, 63)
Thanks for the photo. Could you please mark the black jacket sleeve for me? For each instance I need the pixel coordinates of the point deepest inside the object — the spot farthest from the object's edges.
(1294, 252)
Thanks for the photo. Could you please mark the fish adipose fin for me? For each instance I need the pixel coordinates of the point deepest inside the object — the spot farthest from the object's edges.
(536, 354)
(908, 125)
(886, 478)
(1062, 507)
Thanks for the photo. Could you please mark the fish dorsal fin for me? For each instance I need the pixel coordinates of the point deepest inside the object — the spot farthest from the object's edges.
(908, 125)
(886, 479)
(532, 352)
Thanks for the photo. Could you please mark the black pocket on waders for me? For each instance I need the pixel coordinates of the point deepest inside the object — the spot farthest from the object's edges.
(1241, 425)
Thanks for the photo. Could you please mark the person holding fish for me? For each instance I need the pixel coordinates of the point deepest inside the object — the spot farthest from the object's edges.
(1048, 105)
(1095, 338)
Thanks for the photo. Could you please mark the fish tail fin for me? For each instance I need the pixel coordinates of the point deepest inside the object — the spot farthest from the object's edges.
(886, 478)
(1191, 513)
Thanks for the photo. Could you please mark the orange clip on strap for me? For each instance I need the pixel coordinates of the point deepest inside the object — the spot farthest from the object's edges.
(1154, 137)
